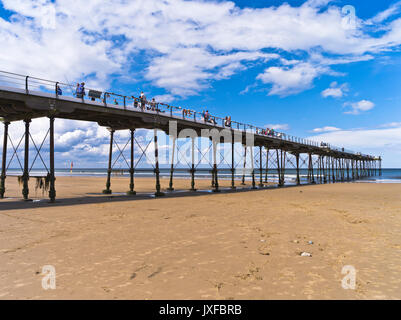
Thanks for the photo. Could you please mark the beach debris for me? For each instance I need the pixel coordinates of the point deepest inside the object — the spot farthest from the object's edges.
(262, 240)
(263, 250)
(310, 242)
(306, 254)
(295, 241)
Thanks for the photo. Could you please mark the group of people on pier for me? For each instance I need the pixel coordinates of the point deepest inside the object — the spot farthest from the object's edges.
(152, 105)
(267, 132)
(211, 119)
(80, 90)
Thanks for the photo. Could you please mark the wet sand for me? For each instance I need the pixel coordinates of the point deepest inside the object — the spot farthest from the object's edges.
(243, 245)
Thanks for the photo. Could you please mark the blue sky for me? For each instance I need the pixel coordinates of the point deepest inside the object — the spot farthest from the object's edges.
(309, 68)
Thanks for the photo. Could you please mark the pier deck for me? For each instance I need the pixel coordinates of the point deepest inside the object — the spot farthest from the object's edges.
(26, 98)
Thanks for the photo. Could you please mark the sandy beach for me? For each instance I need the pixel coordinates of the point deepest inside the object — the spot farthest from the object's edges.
(243, 245)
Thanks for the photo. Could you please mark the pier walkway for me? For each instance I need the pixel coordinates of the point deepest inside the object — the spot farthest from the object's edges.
(23, 98)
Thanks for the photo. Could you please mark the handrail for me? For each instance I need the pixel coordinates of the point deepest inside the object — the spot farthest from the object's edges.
(184, 113)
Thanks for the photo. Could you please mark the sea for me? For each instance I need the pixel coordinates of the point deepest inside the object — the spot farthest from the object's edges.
(388, 175)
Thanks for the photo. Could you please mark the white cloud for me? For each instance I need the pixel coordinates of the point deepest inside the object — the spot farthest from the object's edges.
(390, 125)
(358, 107)
(316, 3)
(291, 80)
(335, 91)
(326, 129)
(166, 98)
(332, 92)
(181, 46)
(187, 70)
(186, 44)
(379, 142)
(282, 126)
(384, 15)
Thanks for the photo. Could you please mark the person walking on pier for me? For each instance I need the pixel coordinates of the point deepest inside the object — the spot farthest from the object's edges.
(80, 91)
(59, 91)
(227, 121)
(143, 100)
(153, 104)
(206, 116)
(135, 102)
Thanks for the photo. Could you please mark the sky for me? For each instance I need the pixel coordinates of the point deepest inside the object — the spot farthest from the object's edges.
(319, 69)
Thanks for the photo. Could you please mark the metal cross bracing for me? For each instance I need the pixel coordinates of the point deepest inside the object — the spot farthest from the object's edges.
(46, 182)
(259, 161)
(178, 157)
(27, 93)
(142, 148)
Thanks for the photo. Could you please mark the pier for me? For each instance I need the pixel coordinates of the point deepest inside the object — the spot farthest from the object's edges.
(24, 98)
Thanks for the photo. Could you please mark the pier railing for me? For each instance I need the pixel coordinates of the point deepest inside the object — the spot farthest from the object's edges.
(111, 99)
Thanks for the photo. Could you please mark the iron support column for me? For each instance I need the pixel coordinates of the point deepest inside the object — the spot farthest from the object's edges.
(25, 176)
(158, 193)
(380, 166)
(324, 171)
(131, 191)
(260, 167)
(282, 169)
(342, 169)
(320, 169)
(52, 190)
(311, 168)
(253, 168)
(243, 173)
(108, 183)
(170, 186)
(328, 168)
(216, 182)
(278, 169)
(232, 162)
(267, 163)
(4, 161)
(193, 165)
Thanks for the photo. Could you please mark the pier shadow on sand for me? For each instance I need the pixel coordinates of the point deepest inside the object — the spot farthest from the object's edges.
(90, 198)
